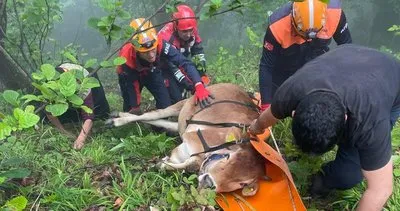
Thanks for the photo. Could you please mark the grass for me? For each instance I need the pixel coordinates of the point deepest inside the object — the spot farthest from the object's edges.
(117, 167)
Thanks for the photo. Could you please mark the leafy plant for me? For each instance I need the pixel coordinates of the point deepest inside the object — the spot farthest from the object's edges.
(109, 25)
(187, 197)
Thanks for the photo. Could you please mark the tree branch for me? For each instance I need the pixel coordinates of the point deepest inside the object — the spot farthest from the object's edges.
(45, 32)
(22, 37)
(200, 6)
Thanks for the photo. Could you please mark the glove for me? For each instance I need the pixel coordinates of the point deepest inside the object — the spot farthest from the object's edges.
(135, 110)
(265, 106)
(182, 79)
(202, 95)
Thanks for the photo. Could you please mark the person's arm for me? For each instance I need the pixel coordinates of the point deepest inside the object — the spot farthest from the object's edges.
(179, 60)
(87, 122)
(56, 122)
(342, 34)
(86, 128)
(265, 120)
(379, 188)
(202, 95)
(267, 64)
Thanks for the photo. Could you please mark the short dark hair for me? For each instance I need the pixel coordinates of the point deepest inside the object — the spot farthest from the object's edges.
(318, 122)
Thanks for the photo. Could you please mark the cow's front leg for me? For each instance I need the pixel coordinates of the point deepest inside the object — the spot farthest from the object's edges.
(180, 159)
(191, 165)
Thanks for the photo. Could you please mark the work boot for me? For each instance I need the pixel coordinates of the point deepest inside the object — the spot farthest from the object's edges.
(317, 188)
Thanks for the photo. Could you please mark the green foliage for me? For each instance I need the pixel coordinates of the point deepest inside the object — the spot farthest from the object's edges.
(19, 118)
(188, 197)
(109, 25)
(16, 204)
(29, 24)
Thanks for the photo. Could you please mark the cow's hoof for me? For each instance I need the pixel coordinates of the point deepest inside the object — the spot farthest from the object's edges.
(114, 114)
(109, 123)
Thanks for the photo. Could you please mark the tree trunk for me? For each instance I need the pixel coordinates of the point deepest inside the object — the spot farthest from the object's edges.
(3, 21)
(12, 75)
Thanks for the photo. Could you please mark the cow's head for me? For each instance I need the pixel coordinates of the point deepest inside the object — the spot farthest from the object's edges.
(232, 169)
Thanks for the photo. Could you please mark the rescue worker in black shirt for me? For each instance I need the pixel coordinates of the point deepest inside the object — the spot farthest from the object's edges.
(349, 97)
(297, 33)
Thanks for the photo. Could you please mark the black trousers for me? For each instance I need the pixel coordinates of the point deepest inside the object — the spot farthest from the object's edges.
(345, 171)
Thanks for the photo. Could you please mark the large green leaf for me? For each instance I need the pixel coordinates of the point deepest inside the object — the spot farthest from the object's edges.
(89, 83)
(16, 173)
(11, 97)
(124, 14)
(5, 130)
(2, 180)
(17, 204)
(67, 84)
(119, 61)
(70, 57)
(52, 85)
(14, 161)
(106, 64)
(46, 92)
(75, 99)
(90, 63)
(48, 71)
(25, 119)
(92, 22)
(87, 109)
(57, 109)
(30, 109)
(37, 76)
(29, 98)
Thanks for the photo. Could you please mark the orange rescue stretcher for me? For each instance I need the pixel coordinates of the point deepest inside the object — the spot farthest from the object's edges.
(278, 194)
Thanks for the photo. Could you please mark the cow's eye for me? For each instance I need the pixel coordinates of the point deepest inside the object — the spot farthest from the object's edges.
(217, 157)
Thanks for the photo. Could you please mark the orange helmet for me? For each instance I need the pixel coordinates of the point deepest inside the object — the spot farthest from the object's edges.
(147, 39)
(184, 11)
(309, 17)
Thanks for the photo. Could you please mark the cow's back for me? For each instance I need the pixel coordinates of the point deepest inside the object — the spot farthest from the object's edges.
(221, 112)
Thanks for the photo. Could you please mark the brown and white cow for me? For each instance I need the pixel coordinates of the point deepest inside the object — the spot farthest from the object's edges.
(234, 167)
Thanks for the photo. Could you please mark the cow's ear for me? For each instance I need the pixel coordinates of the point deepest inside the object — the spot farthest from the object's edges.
(231, 135)
(250, 189)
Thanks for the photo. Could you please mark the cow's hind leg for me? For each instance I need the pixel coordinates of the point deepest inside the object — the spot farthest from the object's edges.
(125, 118)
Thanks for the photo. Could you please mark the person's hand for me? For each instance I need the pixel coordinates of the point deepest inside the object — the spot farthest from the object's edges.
(202, 95)
(265, 106)
(187, 84)
(183, 79)
(255, 128)
(79, 142)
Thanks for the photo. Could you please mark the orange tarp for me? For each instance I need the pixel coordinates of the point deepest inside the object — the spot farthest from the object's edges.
(278, 194)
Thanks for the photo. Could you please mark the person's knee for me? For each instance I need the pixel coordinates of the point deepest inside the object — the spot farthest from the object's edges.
(343, 178)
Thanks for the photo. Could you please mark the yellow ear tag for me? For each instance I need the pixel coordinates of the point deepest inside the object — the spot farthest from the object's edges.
(230, 137)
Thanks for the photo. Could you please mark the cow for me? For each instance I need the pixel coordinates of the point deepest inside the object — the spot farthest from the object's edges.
(215, 142)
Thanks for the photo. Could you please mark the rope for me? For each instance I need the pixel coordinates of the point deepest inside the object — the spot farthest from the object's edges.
(287, 180)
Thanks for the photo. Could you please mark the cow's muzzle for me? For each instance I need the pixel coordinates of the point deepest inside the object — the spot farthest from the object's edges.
(206, 181)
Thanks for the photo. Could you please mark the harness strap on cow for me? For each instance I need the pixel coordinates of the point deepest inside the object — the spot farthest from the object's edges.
(221, 146)
(250, 105)
(221, 124)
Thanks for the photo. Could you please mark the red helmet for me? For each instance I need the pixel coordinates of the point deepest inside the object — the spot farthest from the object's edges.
(184, 11)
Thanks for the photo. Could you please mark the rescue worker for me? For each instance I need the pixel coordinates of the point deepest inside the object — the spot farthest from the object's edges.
(142, 69)
(297, 33)
(94, 99)
(348, 97)
(184, 35)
